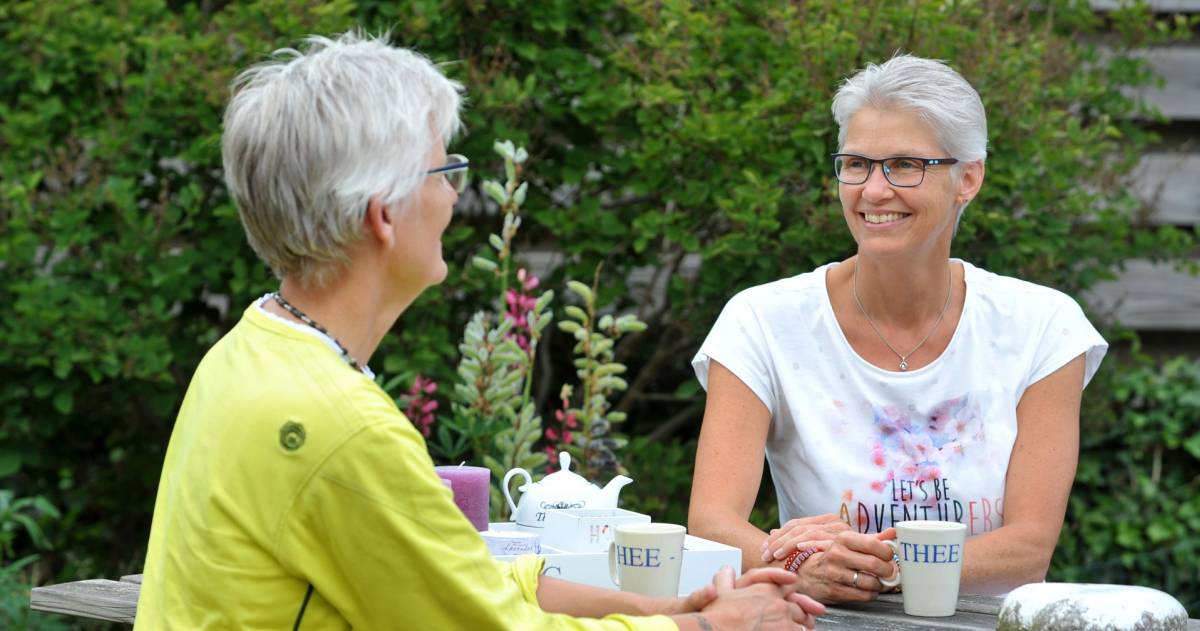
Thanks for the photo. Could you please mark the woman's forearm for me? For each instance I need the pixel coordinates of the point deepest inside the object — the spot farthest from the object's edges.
(1006, 558)
(733, 531)
(584, 601)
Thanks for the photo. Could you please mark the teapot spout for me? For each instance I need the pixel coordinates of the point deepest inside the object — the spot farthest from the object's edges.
(608, 494)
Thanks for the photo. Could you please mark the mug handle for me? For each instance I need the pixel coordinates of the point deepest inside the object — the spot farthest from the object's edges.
(895, 580)
(612, 563)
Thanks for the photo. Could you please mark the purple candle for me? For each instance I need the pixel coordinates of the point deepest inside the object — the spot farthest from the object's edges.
(472, 492)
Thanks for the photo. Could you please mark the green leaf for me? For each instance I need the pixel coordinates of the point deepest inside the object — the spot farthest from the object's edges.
(543, 301)
(575, 312)
(1192, 445)
(64, 402)
(495, 191)
(10, 462)
(581, 290)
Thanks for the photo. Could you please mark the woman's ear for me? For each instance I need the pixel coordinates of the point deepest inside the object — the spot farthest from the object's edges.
(971, 181)
(379, 223)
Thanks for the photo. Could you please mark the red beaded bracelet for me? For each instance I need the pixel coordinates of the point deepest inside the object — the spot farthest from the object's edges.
(793, 561)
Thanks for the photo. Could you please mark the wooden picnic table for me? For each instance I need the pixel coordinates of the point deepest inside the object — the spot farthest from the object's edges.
(116, 601)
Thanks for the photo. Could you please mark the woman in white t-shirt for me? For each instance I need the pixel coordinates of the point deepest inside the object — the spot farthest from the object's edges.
(900, 383)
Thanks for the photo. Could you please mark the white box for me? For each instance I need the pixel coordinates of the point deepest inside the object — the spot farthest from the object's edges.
(586, 529)
(701, 560)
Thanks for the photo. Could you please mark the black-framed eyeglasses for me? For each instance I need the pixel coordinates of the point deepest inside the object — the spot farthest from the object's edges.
(902, 171)
(455, 171)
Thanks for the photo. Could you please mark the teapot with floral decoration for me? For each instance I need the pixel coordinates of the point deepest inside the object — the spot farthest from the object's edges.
(561, 489)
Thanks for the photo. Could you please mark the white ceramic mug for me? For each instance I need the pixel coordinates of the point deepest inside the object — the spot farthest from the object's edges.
(930, 555)
(646, 558)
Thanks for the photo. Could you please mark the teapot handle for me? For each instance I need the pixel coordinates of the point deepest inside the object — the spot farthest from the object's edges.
(504, 487)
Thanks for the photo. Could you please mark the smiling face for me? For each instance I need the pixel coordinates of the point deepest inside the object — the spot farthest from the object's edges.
(888, 220)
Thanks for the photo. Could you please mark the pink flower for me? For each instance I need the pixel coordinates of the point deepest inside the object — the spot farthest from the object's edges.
(528, 281)
(877, 486)
(551, 433)
(419, 405)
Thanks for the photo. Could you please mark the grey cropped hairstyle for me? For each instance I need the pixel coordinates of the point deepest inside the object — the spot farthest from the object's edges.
(927, 87)
(312, 135)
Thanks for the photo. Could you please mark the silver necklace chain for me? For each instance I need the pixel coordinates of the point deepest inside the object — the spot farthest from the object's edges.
(904, 357)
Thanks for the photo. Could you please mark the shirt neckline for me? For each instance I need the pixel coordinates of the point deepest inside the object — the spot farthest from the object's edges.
(968, 300)
(259, 306)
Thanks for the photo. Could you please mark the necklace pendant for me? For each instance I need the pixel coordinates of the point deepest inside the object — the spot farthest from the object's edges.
(903, 365)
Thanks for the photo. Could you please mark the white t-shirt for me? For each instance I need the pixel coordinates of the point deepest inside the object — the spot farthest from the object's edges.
(877, 446)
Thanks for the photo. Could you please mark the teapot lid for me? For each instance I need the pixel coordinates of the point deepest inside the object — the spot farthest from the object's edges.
(564, 476)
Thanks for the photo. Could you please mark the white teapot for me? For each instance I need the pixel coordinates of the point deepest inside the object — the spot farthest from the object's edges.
(562, 489)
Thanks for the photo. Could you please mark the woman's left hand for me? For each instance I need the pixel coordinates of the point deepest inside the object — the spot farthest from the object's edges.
(701, 598)
(849, 570)
(806, 532)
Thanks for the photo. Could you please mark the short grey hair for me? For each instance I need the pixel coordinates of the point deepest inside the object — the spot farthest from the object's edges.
(312, 135)
(927, 87)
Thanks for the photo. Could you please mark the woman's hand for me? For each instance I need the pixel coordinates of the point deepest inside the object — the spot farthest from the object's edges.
(757, 597)
(849, 570)
(701, 598)
(807, 532)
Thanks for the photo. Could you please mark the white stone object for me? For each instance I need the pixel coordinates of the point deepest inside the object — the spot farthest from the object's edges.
(1090, 607)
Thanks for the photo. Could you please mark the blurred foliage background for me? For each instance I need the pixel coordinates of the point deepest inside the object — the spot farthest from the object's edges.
(682, 144)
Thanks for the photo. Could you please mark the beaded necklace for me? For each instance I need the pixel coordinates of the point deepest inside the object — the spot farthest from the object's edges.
(300, 315)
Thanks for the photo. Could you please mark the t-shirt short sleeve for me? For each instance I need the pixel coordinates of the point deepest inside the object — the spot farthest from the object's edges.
(524, 571)
(1067, 335)
(739, 342)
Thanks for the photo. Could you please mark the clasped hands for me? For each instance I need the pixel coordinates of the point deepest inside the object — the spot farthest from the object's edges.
(763, 598)
(847, 564)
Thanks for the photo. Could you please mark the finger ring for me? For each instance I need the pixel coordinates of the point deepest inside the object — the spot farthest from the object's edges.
(854, 581)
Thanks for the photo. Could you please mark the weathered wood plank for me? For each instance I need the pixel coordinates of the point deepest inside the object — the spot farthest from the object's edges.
(1149, 296)
(1170, 184)
(971, 603)
(116, 601)
(97, 598)
(890, 616)
(1160, 6)
(1179, 98)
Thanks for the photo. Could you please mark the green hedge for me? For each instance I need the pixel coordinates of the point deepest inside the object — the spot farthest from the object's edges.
(657, 131)
(1134, 513)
